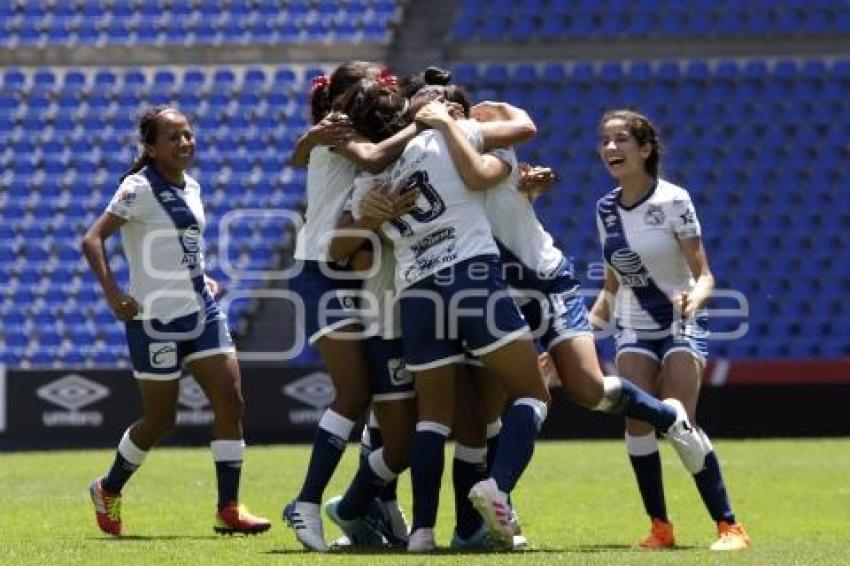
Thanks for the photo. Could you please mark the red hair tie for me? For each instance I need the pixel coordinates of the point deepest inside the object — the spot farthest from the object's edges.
(386, 78)
(322, 81)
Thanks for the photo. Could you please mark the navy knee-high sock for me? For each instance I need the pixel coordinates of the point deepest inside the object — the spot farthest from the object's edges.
(227, 455)
(712, 489)
(128, 458)
(426, 471)
(328, 445)
(370, 478)
(520, 427)
(625, 398)
(468, 468)
(646, 463)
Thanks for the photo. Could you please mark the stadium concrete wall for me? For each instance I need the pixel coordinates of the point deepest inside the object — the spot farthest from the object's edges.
(89, 408)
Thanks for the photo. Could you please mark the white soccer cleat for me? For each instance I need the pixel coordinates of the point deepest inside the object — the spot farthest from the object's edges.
(422, 540)
(306, 520)
(493, 506)
(398, 522)
(687, 440)
(520, 542)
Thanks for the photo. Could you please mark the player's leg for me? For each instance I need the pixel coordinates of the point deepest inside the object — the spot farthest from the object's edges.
(514, 365)
(159, 406)
(157, 371)
(680, 378)
(469, 462)
(219, 377)
(435, 407)
(346, 364)
(394, 408)
(569, 341)
(642, 447)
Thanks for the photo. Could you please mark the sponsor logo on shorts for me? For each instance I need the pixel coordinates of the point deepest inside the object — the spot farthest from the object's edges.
(163, 355)
(398, 372)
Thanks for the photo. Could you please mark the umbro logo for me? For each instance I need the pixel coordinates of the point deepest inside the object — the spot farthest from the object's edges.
(72, 392)
(167, 196)
(314, 389)
(191, 395)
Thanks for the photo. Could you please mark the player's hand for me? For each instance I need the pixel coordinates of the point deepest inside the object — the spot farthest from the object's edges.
(489, 111)
(534, 180)
(434, 114)
(377, 206)
(404, 203)
(212, 285)
(335, 129)
(124, 306)
(684, 306)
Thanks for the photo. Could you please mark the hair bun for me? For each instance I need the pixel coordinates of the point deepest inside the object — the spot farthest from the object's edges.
(437, 76)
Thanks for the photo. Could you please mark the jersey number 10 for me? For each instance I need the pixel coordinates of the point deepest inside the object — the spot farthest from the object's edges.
(436, 206)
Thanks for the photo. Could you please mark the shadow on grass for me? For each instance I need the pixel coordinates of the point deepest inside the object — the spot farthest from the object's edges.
(143, 538)
(578, 549)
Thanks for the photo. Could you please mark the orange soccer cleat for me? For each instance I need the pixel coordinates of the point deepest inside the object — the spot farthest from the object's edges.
(107, 508)
(731, 537)
(660, 537)
(235, 518)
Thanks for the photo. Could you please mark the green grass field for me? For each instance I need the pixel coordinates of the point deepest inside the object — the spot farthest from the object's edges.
(578, 504)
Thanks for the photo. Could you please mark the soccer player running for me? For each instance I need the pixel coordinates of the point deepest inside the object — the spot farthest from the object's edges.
(658, 273)
(172, 318)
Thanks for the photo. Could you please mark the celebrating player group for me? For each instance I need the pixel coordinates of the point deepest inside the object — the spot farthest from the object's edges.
(440, 306)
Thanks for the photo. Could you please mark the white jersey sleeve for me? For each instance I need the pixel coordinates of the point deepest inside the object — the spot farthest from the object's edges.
(683, 217)
(132, 200)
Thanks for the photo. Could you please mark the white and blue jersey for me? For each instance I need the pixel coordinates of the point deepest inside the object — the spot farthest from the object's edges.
(179, 319)
(641, 246)
(329, 180)
(447, 224)
(533, 263)
(326, 288)
(447, 261)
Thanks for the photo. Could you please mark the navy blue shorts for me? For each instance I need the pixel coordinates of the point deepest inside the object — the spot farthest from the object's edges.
(691, 338)
(389, 378)
(329, 302)
(467, 304)
(159, 351)
(559, 315)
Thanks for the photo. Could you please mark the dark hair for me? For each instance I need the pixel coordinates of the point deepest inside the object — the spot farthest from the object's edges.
(147, 134)
(376, 109)
(644, 131)
(412, 84)
(325, 92)
(448, 93)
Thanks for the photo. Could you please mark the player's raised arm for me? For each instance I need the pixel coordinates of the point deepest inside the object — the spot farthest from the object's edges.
(478, 171)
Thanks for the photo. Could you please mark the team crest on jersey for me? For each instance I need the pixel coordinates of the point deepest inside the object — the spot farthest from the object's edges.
(654, 216)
